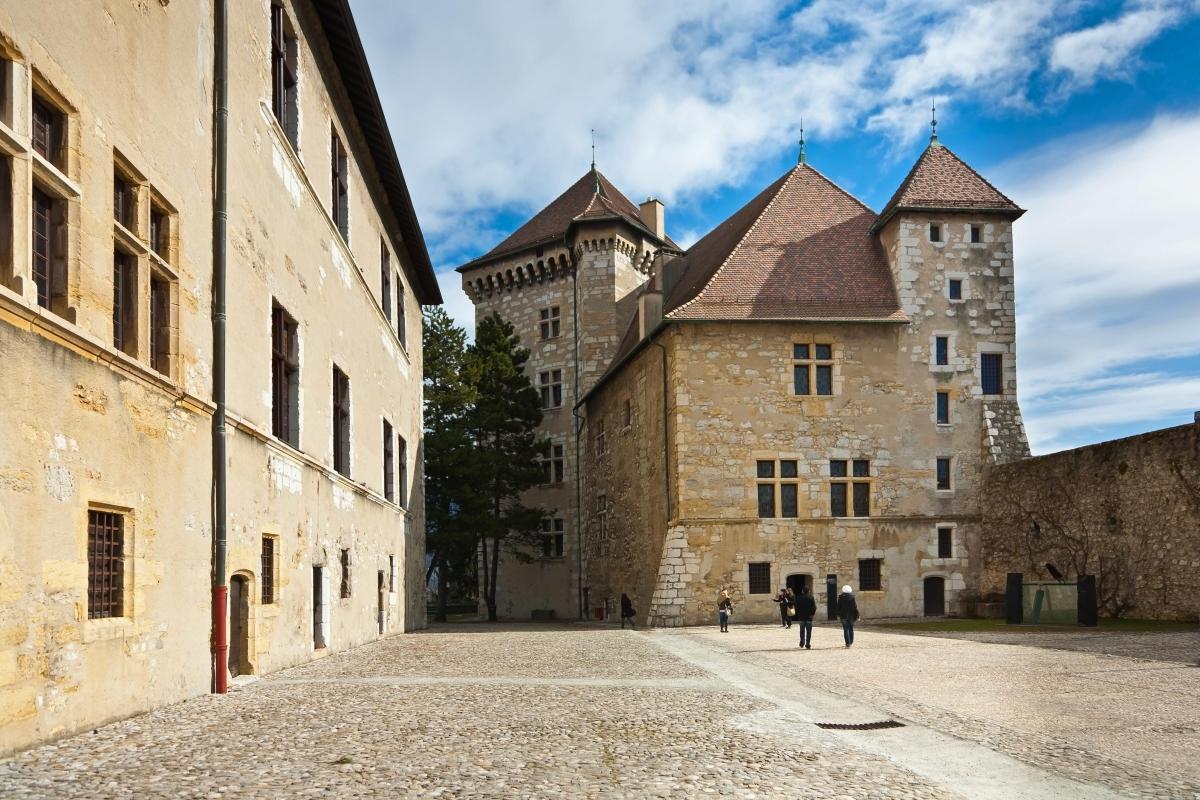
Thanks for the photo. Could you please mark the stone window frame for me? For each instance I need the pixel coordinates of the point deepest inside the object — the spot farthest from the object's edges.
(554, 462)
(550, 322)
(969, 237)
(948, 393)
(270, 569)
(811, 363)
(950, 482)
(1006, 365)
(850, 479)
(101, 628)
(758, 583)
(550, 388)
(776, 480)
(286, 367)
(285, 63)
(965, 279)
(934, 232)
(936, 549)
(951, 350)
(342, 417)
(553, 538)
(877, 585)
(345, 585)
(339, 177)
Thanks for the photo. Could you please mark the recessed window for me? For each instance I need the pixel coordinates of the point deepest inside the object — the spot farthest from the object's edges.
(943, 408)
(341, 422)
(976, 234)
(402, 458)
(991, 373)
(603, 545)
(389, 462)
(285, 376)
(49, 259)
(267, 568)
(340, 191)
(553, 464)
(550, 322)
(160, 232)
(48, 129)
(553, 537)
(955, 289)
(941, 346)
(106, 564)
(777, 481)
(391, 573)
(935, 232)
(283, 74)
(760, 578)
(401, 319)
(6, 220)
(628, 416)
(550, 386)
(943, 474)
(124, 303)
(812, 369)
(385, 279)
(601, 438)
(870, 575)
(124, 200)
(345, 562)
(160, 323)
(945, 546)
(850, 488)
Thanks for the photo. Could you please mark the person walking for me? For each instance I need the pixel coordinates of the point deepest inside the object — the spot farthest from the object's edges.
(806, 609)
(782, 600)
(847, 611)
(627, 611)
(724, 610)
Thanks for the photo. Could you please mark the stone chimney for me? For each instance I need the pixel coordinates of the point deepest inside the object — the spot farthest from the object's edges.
(651, 213)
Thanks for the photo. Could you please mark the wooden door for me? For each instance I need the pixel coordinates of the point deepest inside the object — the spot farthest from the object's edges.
(935, 597)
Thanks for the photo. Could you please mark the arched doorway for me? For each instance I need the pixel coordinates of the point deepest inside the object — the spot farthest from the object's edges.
(935, 597)
(798, 581)
(239, 626)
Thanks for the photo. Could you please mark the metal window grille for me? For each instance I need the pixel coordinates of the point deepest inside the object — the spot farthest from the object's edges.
(106, 564)
(945, 542)
(160, 325)
(285, 376)
(345, 588)
(991, 372)
(870, 575)
(760, 578)
(341, 422)
(389, 462)
(268, 570)
(385, 279)
(43, 251)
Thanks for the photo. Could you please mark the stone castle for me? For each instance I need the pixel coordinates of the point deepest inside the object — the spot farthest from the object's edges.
(808, 395)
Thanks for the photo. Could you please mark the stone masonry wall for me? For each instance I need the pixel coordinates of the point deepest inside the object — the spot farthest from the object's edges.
(1127, 511)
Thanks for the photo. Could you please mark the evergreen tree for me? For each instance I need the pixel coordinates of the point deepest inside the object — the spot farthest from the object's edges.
(506, 463)
(450, 539)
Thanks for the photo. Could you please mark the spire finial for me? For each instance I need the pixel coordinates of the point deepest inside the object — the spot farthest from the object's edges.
(800, 159)
(933, 122)
(593, 148)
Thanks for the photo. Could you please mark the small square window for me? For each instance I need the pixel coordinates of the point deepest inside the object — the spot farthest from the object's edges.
(956, 289)
(837, 469)
(824, 352)
(945, 542)
(935, 232)
(943, 408)
(943, 474)
(787, 469)
(862, 468)
(800, 351)
(760, 578)
(766, 469)
(870, 575)
(942, 350)
(976, 234)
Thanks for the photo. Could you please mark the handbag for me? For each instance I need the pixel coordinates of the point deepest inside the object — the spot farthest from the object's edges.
(791, 611)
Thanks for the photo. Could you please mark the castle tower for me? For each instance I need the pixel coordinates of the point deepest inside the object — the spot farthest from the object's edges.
(567, 281)
(948, 235)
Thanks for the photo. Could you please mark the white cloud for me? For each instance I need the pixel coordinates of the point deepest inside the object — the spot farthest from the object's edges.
(1107, 48)
(1108, 278)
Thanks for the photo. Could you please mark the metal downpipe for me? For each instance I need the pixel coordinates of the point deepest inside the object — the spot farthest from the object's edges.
(220, 590)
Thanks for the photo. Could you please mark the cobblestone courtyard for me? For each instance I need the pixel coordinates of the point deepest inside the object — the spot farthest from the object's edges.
(583, 711)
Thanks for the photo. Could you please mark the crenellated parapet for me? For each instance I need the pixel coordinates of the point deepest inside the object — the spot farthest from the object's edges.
(511, 276)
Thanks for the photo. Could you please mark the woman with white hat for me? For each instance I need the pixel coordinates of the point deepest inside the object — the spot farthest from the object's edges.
(847, 611)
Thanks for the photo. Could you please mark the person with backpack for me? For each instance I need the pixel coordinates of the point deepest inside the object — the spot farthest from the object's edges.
(847, 611)
(806, 609)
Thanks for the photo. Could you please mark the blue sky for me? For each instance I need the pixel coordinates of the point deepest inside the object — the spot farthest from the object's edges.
(1085, 113)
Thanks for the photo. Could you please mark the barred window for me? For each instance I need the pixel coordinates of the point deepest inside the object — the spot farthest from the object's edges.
(123, 200)
(106, 564)
(550, 322)
(160, 323)
(870, 575)
(49, 263)
(160, 232)
(760, 578)
(391, 573)
(268, 570)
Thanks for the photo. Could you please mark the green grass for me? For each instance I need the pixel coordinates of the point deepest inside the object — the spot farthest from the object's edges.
(999, 626)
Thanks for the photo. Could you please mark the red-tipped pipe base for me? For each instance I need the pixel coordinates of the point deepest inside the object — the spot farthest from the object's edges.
(220, 610)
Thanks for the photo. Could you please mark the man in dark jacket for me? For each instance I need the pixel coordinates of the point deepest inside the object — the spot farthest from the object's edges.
(806, 609)
(847, 611)
(627, 611)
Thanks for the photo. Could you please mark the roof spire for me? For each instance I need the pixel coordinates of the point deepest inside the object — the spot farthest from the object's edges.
(800, 159)
(593, 149)
(933, 122)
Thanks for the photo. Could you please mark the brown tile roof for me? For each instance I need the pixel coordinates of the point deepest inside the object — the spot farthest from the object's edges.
(592, 197)
(941, 180)
(802, 249)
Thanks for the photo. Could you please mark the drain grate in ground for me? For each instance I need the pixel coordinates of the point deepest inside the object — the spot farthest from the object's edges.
(862, 726)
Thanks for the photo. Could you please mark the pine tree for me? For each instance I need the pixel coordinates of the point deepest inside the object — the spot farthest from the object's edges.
(503, 423)
(449, 453)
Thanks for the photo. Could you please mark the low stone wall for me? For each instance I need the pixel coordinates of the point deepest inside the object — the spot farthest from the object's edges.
(1126, 511)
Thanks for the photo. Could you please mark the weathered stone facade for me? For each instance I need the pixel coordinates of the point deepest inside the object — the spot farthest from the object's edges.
(1127, 511)
(98, 423)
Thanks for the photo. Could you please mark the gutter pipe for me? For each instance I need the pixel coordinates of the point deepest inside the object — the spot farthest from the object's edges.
(220, 589)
